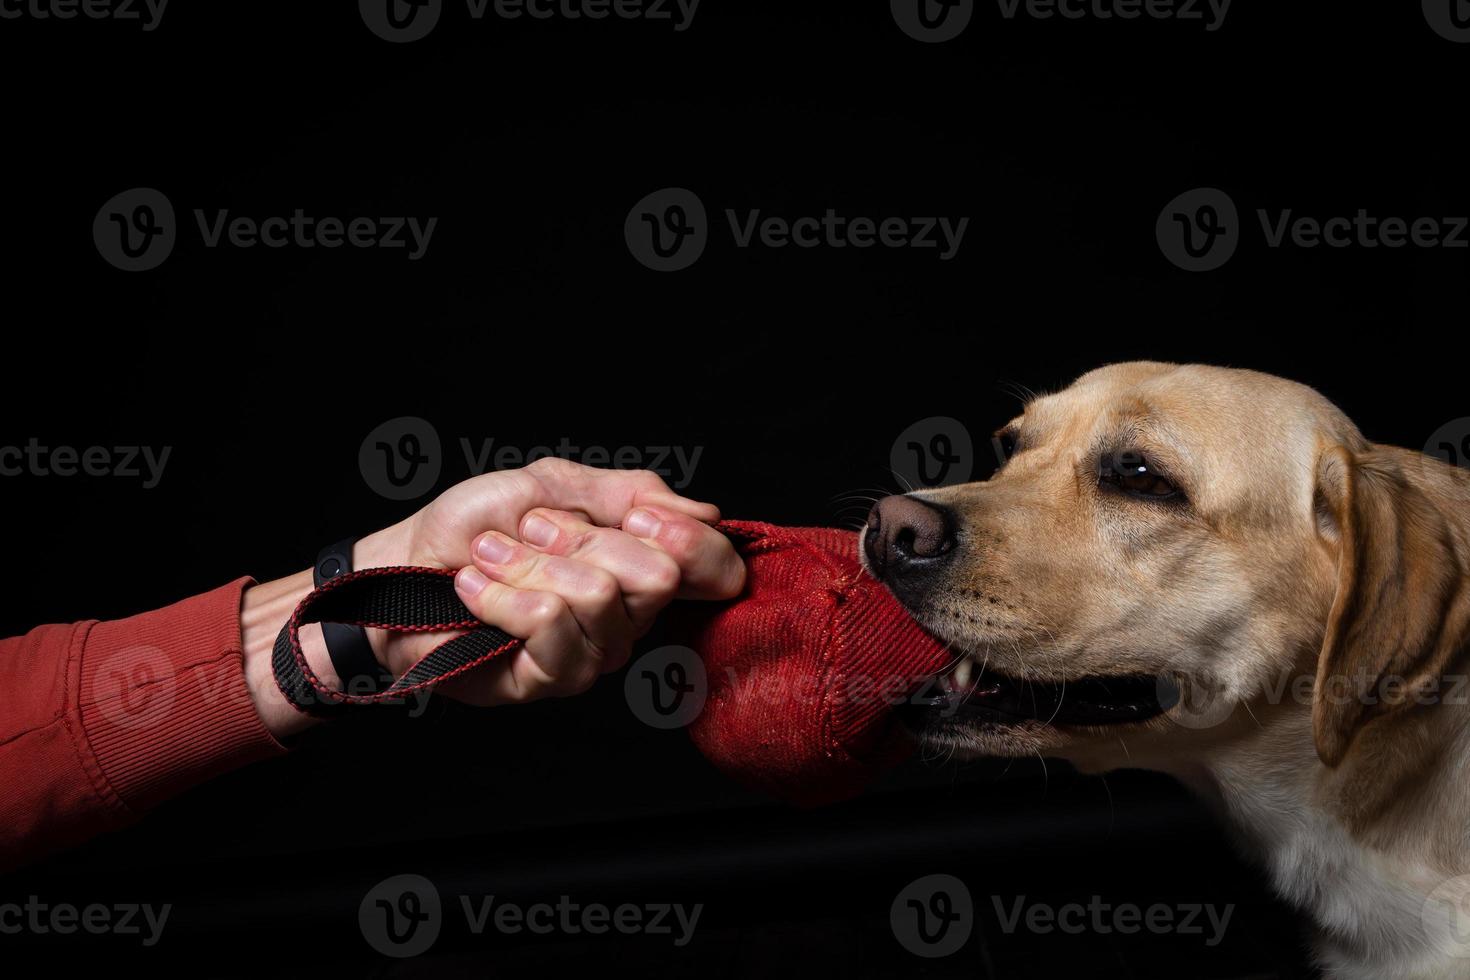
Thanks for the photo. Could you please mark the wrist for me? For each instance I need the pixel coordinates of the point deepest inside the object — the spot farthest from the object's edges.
(264, 609)
(390, 546)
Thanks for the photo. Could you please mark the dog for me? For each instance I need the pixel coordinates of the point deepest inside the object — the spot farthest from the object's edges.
(1211, 573)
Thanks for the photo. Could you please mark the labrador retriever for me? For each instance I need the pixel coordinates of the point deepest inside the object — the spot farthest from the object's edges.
(1210, 572)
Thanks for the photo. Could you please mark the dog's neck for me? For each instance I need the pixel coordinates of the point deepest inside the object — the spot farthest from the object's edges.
(1363, 849)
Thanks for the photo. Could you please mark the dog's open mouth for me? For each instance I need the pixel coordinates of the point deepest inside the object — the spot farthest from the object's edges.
(993, 699)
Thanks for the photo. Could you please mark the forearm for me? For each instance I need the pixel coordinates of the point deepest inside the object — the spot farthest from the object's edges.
(103, 720)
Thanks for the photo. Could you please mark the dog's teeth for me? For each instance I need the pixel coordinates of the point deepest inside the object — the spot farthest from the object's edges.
(962, 672)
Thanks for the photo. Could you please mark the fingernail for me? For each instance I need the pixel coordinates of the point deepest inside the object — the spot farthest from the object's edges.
(641, 524)
(493, 550)
(538, 531)
(470, 582)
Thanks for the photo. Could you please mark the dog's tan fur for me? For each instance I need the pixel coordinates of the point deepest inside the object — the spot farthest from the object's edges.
(1301, 557)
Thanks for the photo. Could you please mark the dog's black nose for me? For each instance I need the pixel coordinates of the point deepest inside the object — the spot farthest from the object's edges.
(904, 533)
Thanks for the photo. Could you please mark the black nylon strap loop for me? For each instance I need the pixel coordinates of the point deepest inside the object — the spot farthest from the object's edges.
(400, 599)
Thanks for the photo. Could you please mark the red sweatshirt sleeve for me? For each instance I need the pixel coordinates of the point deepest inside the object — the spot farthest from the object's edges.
(103, 720)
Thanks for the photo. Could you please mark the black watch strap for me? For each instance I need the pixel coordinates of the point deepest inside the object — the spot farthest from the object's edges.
(352, 655)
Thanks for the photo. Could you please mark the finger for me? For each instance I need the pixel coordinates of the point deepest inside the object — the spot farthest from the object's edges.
(497, 501)
(708, 564)
(647, 577)
(554, 659)
(591, 593)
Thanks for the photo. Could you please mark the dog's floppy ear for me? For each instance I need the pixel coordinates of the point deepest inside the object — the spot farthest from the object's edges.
(1401, 611)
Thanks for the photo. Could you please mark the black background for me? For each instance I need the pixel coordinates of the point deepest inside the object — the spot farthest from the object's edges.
(793, 370)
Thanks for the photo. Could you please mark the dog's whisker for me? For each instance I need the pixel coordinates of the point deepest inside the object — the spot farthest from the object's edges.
(1045, 773)
(1112, 807)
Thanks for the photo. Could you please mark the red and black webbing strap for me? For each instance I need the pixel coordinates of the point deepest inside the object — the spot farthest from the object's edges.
(400, 599)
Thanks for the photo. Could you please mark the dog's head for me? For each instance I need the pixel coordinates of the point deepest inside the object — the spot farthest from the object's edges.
(1164, 543)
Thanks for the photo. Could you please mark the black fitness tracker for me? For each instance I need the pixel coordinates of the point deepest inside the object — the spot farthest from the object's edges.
(352, 655)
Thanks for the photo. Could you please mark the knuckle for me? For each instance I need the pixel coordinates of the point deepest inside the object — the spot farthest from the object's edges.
(663, 576)
(679, 538)
(542, 610)
(650, 480)
(602, 588)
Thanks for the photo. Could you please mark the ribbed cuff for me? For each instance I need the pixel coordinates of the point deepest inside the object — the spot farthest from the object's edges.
(163, 700)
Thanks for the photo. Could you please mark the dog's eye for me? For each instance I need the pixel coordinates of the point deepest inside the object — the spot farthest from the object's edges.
(1006, 441)
(1133, 474)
